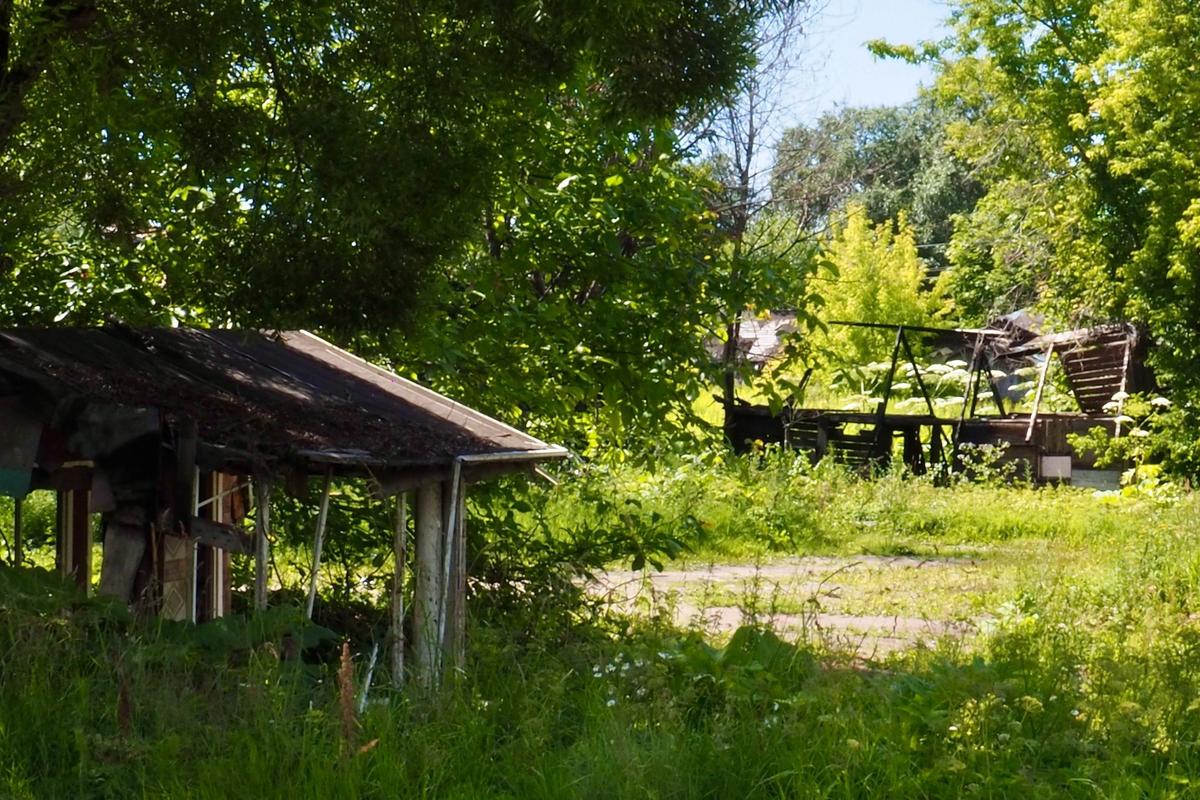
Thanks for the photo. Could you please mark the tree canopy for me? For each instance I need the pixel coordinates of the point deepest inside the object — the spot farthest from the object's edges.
(293, 163)
(889, 161)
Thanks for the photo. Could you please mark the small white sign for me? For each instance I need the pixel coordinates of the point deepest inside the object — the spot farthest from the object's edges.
(1056, 468)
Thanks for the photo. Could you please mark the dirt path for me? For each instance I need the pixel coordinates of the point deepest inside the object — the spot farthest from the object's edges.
(873, 605)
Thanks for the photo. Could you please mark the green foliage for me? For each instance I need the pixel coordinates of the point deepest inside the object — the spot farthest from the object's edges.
(1081, 685)
(891, 161)
(871, 273)
(567, 316)
(38, 512)
(356, 557)
(296, 163)
(1149, 425)
(1073, 115)
(775, 502)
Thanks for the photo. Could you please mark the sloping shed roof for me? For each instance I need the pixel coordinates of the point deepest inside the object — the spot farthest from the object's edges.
(1099, 362)
(285, 395)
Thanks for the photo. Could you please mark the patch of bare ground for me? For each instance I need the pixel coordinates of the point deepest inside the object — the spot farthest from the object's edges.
(869, 605)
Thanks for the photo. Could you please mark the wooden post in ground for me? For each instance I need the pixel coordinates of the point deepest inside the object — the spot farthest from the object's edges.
(427, 598)
(400, 549)
(262, 552)
(318, 544)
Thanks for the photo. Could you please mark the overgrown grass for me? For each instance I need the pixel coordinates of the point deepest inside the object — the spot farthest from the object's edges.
(1086, 684)
(723, 507)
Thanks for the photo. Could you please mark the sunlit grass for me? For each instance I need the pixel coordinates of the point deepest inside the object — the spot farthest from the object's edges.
(1082, 682)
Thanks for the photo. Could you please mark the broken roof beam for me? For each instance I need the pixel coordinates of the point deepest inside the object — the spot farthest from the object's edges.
(1082, 338)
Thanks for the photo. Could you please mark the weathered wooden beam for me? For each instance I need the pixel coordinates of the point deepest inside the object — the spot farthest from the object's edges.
(318, 544)
(912, 362)
(1037, 395)
(968, 401)
(426, 599)
(187, 440)
(387, 483)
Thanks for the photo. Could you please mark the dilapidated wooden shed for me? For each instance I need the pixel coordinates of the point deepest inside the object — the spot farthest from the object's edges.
(1100, 365)
(173, 436)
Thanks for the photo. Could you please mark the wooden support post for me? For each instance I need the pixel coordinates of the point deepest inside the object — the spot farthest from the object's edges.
(187, 437)
(18, 545)
(318, 544)
(881, 409)
(1037, 396)
(935, 449)
(914, 456)
(75, 537)
(975, 390)
(426, 600)
(400, 549)
(262, 552)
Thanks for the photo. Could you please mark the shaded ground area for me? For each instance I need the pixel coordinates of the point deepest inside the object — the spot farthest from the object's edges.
(872, 605)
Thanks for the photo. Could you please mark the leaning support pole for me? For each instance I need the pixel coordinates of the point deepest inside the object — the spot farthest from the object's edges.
(400, 549)
(1124, 383)
(318, 544)
(18, 544)
(1037, 397)
(262, 552)
(936, 430)
(448, 584)
(426, 600)
(997, 395)
(454, 611)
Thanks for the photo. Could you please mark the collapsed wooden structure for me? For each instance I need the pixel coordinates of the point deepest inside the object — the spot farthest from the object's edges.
(173, 436)
(1101, 366)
